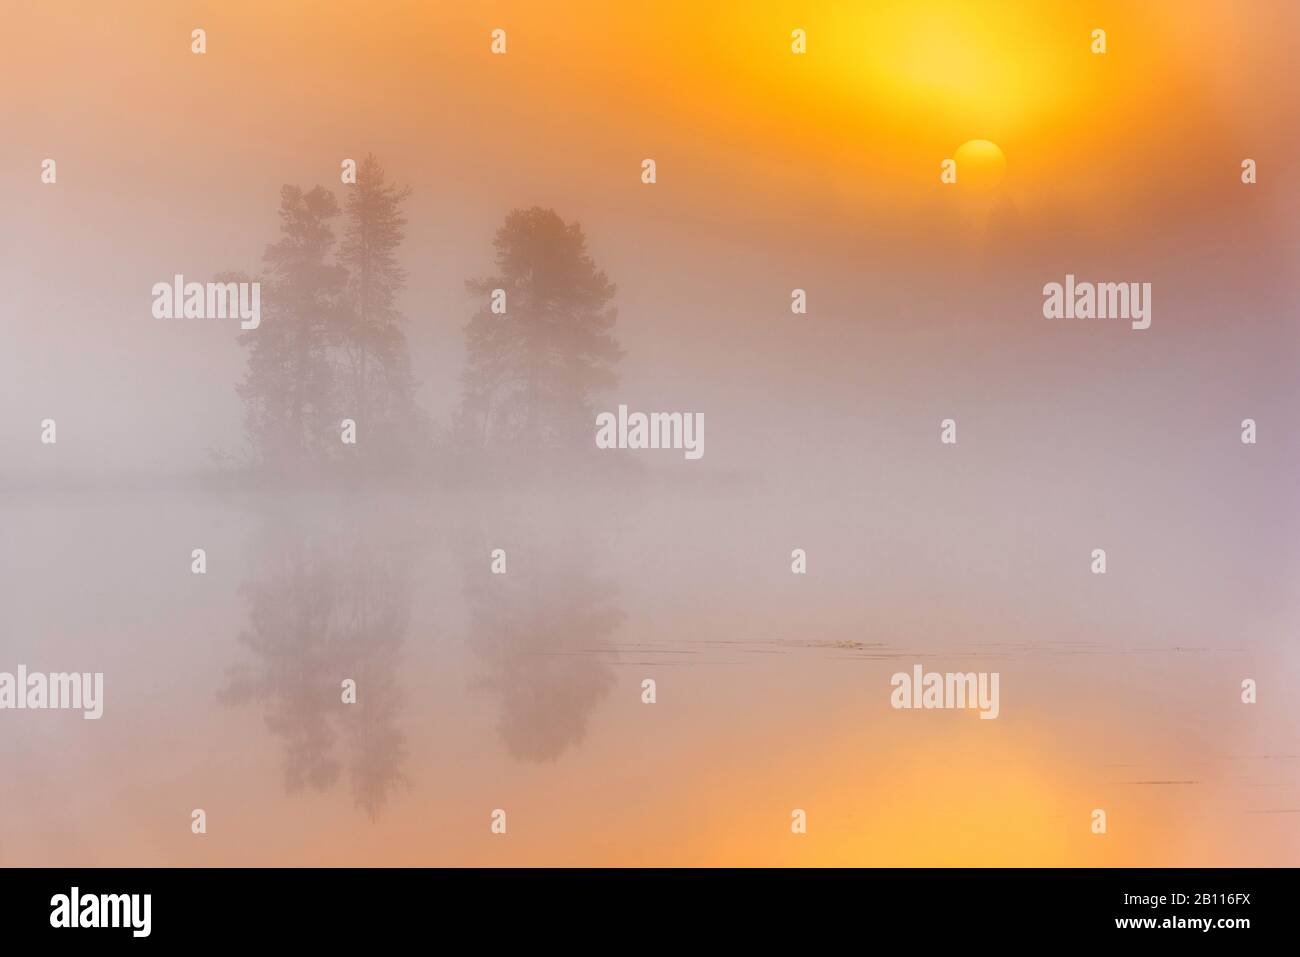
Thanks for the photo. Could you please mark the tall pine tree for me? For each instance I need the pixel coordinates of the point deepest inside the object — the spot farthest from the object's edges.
(291, 413)
(379, 386)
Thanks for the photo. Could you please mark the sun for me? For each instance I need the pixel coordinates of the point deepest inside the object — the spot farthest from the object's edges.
(981, 165)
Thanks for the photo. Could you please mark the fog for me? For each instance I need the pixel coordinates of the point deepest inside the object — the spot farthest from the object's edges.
(499, 590)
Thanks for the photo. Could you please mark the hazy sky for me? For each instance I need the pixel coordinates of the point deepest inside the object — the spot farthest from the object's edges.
(774, 172)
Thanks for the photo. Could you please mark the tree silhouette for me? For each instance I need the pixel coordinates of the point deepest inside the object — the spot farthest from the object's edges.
(380, 390)
(532, 372)
(289, 388)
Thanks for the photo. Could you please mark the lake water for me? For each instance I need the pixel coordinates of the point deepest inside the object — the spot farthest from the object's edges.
(523, 691)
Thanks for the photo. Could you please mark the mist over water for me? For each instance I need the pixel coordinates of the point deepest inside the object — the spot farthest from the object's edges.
(523, 691)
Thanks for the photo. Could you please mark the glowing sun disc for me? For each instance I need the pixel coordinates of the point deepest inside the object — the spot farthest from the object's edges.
(980, 164)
